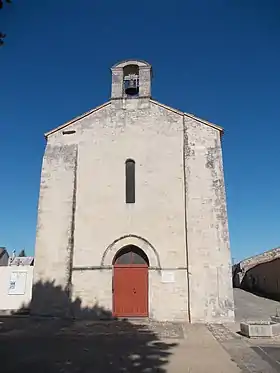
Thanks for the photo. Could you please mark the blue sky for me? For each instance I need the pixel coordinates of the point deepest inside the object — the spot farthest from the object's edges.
(217, 59)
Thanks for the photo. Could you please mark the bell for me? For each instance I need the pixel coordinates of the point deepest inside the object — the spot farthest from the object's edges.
(131, 88)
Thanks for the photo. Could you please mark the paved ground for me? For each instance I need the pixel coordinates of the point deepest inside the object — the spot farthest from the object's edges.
(104, 347)
(36, 345)
(251, 307)
(251, 355)
(247, 355)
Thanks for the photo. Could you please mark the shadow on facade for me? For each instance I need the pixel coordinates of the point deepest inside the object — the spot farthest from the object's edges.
(78, 344)
(51, 300)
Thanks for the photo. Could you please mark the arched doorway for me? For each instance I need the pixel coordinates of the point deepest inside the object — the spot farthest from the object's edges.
(130, 283)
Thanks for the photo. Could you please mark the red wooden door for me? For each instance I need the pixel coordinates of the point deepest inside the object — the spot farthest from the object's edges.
(130, 291)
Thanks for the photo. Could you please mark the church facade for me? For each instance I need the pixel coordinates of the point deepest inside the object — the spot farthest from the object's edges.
(132, 218)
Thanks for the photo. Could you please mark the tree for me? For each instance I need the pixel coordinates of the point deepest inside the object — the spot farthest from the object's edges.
(2, 35)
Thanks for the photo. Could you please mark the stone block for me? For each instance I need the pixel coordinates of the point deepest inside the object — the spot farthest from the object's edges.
(259, 329)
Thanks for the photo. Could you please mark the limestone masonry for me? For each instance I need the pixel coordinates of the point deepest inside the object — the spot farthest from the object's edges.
(176, 227)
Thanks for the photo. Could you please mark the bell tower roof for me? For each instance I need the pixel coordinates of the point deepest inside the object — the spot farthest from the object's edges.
(140, 63)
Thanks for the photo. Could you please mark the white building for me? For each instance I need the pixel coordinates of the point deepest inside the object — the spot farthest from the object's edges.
(132, 212)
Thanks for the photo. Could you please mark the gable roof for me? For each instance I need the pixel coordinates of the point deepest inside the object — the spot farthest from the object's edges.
(210, 124)
(4, 256)
(77, 118)
(189, 116)
(153, 101)
(22, 261)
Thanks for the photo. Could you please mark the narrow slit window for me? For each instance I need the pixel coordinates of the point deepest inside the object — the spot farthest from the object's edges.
(130, 181)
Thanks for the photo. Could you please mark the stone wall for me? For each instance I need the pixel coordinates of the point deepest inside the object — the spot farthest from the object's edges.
(244, 271)
(180, 210)
(211, 297)
(261, 258)
(264, 279)
(54, 238)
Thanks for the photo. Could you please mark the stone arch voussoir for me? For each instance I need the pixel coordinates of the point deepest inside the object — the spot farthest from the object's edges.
(143, 244)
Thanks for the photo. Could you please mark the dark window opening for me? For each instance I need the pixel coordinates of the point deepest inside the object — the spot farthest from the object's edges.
(131, 255)
(130, 181)
(68, 132)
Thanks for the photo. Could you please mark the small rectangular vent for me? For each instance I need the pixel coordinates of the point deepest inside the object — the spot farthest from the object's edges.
(68, 132)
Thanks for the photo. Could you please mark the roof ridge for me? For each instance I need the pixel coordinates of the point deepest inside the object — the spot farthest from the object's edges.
(66, 124)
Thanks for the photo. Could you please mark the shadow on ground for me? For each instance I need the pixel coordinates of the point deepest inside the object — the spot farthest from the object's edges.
(73, 344)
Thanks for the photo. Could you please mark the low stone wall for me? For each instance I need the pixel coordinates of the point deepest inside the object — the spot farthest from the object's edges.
(263, 279)
(256, 269)
(267, 256)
